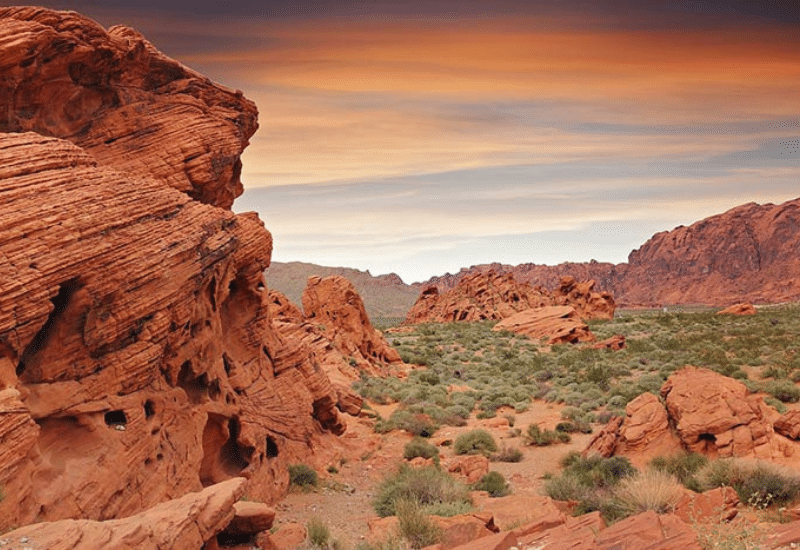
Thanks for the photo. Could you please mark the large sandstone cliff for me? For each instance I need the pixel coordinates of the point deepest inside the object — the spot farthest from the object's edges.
(138, 359)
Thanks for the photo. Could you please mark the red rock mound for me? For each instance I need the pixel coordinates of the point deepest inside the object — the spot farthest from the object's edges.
(478, 297)
(705, 412)
(493, 296)
(559, 324)
(738, 309)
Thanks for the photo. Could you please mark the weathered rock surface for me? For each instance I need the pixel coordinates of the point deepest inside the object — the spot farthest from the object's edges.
(643, 433)
(138, 361)
(187, 522)
(714, 506)
(716, 416)
(559, 324)
(334, 304)
(788, 425)
(583, 298)
(478, 297)
(121, 100)
(738, 309)
(704, 412)
(614, 343)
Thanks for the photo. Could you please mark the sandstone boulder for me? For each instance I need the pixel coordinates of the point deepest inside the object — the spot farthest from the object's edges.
(720, 504)
(715, 415)
(788, 425)
(614, 343)
(738, 309)
(470, 468)
(188, 522)
(559, 324)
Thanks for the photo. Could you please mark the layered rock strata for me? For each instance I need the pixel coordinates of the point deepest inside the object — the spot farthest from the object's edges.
(138, 360)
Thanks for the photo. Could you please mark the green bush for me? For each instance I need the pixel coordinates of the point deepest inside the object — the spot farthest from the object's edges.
(318, 533)
(419, 447)
(508, 454)
(414, 525)
(301, 475)
(475, 442)
(542, 438)
(493, 483)
(427, 486)
(756, 483)
(684, 466)
(784, 390)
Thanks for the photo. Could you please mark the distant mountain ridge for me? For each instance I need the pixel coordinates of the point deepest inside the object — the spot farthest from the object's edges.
(750, 253)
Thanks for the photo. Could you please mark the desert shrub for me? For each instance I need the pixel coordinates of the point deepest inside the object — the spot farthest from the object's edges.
(596, 471)
(564, 487)
(654, 490)
(419, 447)
(493, 483)
(508, 454)
(775, 404)
(318, 533)
(414, 525)
(415, 424)
(541, 438)
(427, 486)
(475, 442)
(784, 390)
(301, 475)
(755, 482)
(684, 466)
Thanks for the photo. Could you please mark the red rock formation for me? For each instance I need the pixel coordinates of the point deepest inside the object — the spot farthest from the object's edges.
(614, 343)
(188, 522)
(581, 296)
(738, 309)
(121, 100)
(559, 324)
(478, 297)
(138, 361)
(705, 412)
(788, 425)
(492, 296)
(334, 304)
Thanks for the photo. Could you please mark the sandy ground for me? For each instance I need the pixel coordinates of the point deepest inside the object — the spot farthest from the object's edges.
(343, 499)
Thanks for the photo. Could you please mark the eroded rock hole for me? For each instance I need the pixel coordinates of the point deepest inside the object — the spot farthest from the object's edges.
(228, 540)
(149, 408)
(115, 418)
(196, 387)
(223, 457)
(272, 448)
(60, 302)
(226, 363)
(711, 438)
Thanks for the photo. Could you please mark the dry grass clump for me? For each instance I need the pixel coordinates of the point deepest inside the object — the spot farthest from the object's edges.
(654, 490)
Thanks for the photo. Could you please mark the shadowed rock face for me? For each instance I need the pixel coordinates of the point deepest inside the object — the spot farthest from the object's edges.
(121, 100)
(138, 359)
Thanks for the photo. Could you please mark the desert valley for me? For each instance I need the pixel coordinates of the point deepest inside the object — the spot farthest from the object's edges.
(164, 384)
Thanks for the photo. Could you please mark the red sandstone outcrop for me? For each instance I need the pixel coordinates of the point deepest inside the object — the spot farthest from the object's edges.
(581, 296)
(788, 425)
(188, 522)
(138, 360)
(478, 297)
(559, 324)
(121, 100)
(614, 343)
(704, 412)
(738, 309)
(493, 296)
(335, 306)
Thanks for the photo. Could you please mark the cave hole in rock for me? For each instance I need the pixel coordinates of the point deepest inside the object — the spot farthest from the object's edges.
(710, 438)
(60, 302)
(212, 293)
(228, 540)
(226, 363)
(272, 448)
(196, 387)
(149, 409)
(223, 456)
(115, 418)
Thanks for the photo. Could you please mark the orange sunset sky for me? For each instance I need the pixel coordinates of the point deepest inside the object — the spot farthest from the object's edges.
(420, 138)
